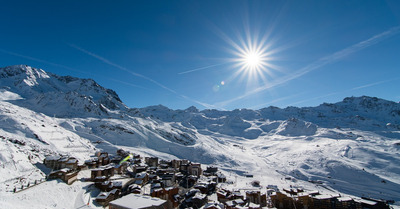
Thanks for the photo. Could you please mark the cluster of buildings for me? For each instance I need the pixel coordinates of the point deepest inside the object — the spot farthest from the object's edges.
(298, 198)
(155, 183)
(65, 168)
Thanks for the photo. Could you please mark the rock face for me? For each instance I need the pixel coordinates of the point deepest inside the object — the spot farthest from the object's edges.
(295, 127)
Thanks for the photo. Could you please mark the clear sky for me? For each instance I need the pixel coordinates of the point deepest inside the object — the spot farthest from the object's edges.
(212, 54)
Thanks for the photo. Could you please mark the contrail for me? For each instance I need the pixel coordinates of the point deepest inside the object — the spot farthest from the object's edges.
(345, 91)
(320, 63)
(106, 61)
(39, 60)
(202, 68)
(275, 101)
(65, 67)
(374, 84)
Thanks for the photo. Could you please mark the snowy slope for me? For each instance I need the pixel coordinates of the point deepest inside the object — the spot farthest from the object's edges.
(61, 95)
(350, 147)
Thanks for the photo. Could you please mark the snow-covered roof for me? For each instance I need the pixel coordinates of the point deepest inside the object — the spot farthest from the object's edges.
(136, 201)
(364, 201)
(65, 170)
(323, 196)
(103, 195)
(52, 157)
(117, 183)
(141, 175)
(72, 161)
(209, 205)
(344, 199)
(64, 159)
(199, 196)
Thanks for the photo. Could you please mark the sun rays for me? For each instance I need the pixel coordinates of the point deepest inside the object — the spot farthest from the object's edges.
(253, 60)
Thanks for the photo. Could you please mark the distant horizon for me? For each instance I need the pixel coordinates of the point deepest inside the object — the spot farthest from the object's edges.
(201, 109)
(213, 54)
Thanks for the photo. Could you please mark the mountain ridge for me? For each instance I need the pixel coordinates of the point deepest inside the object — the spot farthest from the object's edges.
(335, 144)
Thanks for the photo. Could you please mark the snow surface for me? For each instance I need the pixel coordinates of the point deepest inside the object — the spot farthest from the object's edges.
(350, 147)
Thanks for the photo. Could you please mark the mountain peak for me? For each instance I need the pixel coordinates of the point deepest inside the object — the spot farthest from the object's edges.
(62, 95)
(28, 74)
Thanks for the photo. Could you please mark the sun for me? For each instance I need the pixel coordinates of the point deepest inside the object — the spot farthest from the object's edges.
(252, 60)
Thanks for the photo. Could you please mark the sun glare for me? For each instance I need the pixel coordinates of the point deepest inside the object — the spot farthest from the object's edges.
(252, 60)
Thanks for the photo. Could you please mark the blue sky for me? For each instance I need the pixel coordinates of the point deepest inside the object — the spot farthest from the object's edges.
(184, 53)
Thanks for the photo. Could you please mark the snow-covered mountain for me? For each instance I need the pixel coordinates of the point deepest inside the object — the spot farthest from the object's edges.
(64, 96)
(350, 147)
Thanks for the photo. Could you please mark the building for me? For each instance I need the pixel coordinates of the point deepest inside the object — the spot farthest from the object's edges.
(168, 194)
(66, 174)
(104, 198)
(195, 169)
(152, 161)
(136, 201)
(51, 161)
(56, 162)
(107, 186)
(257, 198)
(103, 172)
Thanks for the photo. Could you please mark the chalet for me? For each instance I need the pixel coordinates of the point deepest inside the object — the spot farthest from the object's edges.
(105, 171)
(324, 201)
(176, 164)
(138, 168)
(253, 206)
(168, 179)
(195, 169)
(72, 163)
(139, 202)
(104, 198)
(107, 186)
(104, 159)
(135, 189)
(221, 178)
(92, 163)
(56, 162)
(371, 203)
(214, 206)
(198, 200)
(141, 178)
(66, 174)
(347, 202)
(169, 194)
(305, 200)
(235, 203)
(281, 200)
(184, 166)
(257, 198)
(202, 187)
(120, 168)
(52, 161)
(62, 162)
(152, 161)
(211, 171)
(206, 186)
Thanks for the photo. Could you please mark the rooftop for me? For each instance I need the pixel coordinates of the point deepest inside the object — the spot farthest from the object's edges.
(135, 201)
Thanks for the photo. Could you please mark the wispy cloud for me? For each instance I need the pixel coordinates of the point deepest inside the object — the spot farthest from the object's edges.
(345, 91)
(374, 84)
(39, 60)
(106, 61)
(65, 67)
(276, 100)
(318, 64)
(202, 68)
